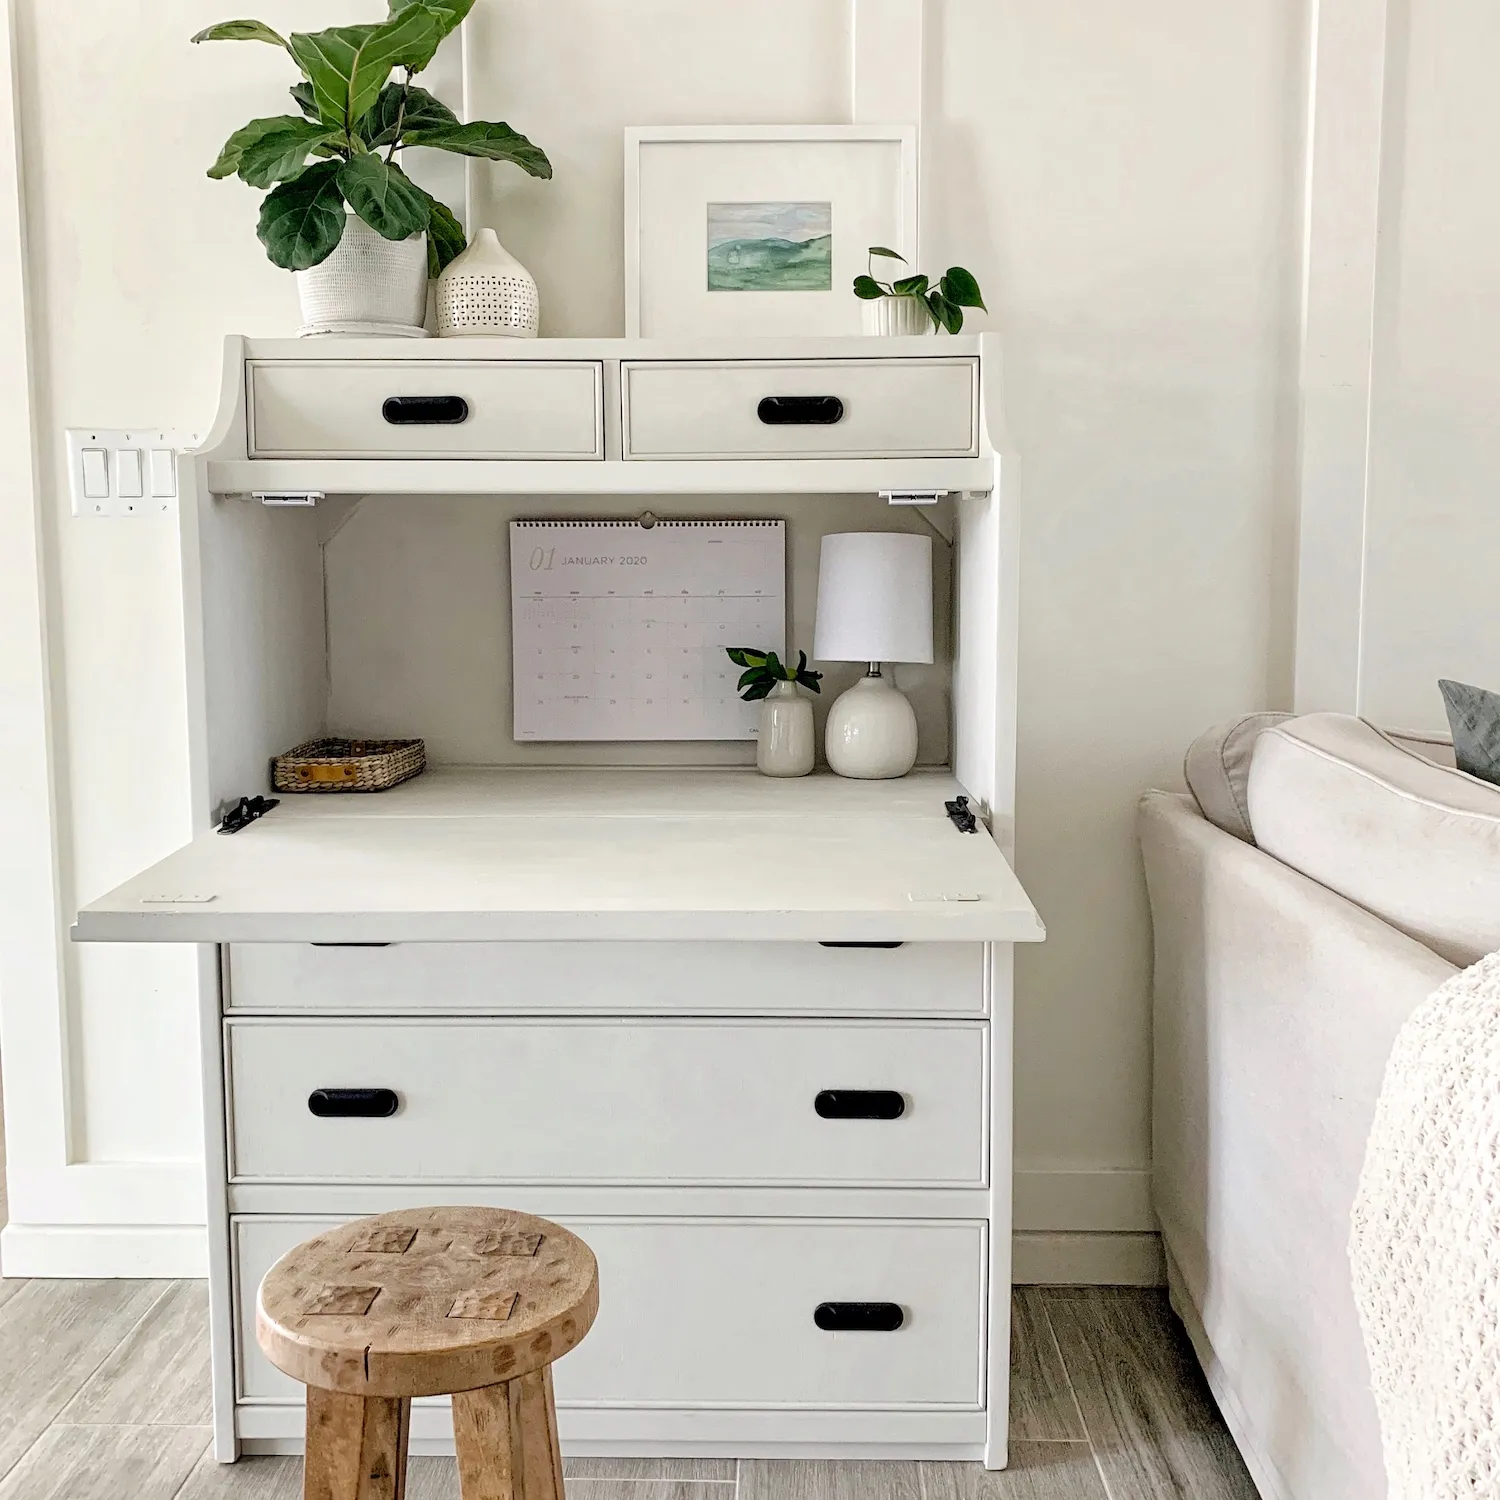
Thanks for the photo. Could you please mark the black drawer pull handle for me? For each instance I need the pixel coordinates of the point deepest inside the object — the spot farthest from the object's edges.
(861, 945)
(858, 1317)
(353, 1104)
(800, 411)
(424, 411)
(860, 1104)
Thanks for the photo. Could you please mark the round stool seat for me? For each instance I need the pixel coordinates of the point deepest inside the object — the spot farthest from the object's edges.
(427, 1302)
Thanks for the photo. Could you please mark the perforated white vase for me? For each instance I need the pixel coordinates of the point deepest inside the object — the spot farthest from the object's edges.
(369, 285)
(486, 290)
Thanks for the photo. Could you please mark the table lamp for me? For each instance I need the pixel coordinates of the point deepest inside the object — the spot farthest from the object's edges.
(874, 605)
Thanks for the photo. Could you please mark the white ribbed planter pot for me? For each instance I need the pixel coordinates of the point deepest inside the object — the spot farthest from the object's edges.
(369, 285)
(896, 317)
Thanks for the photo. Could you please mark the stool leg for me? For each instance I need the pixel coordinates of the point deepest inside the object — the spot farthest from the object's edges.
(506, 1437)
(356, 1447)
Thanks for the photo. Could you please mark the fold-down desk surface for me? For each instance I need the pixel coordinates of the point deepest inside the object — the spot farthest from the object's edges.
(578, 854)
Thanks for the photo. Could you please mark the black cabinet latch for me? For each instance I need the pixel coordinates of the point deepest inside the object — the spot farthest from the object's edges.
(963, 819)
(249, 809)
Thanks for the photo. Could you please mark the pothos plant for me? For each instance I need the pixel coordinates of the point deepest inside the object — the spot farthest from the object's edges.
(341, 149)
(764, 669)
(944, 302)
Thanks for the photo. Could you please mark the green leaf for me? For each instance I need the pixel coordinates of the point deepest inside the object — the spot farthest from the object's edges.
(753, 674)
(889, 254)
(773, 665)
(758, 690)
(960, 288)
(450, 14)
(911, 286)
(348, 65)
(241, 31)
(944, 313)
(868, 289)
(269, 151)
(422, 112)
(445, 235)
(303, 94)
(302, 221)
(493, 140)
(810, 680)
(383, 196)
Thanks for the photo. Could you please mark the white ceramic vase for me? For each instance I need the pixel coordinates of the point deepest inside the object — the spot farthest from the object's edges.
(787, 741)
(369, 285)
(896, 317)
(872, 731)
(485, 290)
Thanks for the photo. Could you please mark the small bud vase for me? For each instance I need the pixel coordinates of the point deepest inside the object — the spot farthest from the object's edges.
(787, 742)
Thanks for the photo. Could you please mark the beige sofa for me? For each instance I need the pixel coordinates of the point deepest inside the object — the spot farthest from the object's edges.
(1324, 879)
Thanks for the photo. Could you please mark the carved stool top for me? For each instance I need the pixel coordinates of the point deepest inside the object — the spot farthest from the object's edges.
(427, 1302)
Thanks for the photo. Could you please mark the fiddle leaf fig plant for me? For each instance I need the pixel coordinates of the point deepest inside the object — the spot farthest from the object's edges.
(945, 302)
(764, 669)
(339, 152)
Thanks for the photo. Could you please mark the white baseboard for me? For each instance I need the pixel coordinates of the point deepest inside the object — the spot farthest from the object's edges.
(1087, 1260)
(104, 1251)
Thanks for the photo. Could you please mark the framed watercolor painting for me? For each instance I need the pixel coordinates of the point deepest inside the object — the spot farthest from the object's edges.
(760, 229)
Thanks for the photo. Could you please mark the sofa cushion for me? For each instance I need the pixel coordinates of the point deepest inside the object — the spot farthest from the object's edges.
(1414, 842)
(1475, 717)
(1217, 768)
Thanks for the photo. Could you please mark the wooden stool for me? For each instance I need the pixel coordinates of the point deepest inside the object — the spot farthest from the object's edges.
(475, 1303)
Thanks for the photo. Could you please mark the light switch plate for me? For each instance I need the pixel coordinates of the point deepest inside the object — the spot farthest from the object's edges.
(143, 460)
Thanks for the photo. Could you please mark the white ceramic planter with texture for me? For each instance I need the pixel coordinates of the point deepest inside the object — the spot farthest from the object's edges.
(787, 742)
(896, 317)
(369, 285)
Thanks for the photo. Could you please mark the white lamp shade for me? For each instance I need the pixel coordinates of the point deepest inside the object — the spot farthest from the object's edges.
(874, 597)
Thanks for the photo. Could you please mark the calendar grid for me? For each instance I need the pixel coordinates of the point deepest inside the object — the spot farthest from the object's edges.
(619, 630)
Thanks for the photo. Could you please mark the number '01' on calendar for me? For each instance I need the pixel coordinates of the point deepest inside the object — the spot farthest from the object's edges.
(618, 630)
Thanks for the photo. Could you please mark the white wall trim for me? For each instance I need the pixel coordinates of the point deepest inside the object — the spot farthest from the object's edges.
(1346, 127)
(33, 1008)
(105, 1251)
(1088, 1260)
(1094, 1202)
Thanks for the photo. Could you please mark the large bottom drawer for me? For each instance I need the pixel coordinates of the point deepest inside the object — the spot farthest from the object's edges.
(717, 1312)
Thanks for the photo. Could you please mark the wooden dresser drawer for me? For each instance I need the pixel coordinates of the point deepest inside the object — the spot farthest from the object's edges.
(729, 1306)
(598, 1101)
(845, 408)
(693, 978)
(425, 409)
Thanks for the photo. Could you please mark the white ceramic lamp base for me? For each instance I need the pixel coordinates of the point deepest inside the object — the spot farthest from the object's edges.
(872, 731)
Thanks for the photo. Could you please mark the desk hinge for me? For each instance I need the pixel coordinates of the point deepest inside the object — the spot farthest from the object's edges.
(246, 811)
(963, 818)
(287, 497)
(913, 497)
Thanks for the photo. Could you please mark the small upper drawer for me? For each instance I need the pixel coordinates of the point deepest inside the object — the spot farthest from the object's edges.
(615, 978)
(343, 408)
(836, 408)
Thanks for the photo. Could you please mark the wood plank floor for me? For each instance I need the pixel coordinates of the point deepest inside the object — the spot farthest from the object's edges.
(104, 1393)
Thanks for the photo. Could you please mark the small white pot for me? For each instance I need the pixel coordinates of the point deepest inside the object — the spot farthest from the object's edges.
(898, 317)
(787, 739)
(369, 285)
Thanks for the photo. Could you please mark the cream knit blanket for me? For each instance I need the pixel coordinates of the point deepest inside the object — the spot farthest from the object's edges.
(1425, 1245)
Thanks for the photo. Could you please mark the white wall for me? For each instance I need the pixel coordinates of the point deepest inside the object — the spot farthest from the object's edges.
(1124, 182)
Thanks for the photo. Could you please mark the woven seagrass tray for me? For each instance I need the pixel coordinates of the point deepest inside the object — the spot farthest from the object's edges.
(348, 765)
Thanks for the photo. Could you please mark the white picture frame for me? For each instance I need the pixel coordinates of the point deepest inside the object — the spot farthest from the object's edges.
(685, 183)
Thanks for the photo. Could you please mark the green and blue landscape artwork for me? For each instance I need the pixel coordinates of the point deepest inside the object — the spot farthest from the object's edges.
(770, 247)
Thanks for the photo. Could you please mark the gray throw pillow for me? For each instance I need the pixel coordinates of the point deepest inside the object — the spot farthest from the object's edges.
(1474, 716)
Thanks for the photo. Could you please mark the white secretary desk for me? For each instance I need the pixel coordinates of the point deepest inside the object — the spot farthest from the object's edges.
(671, 962)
